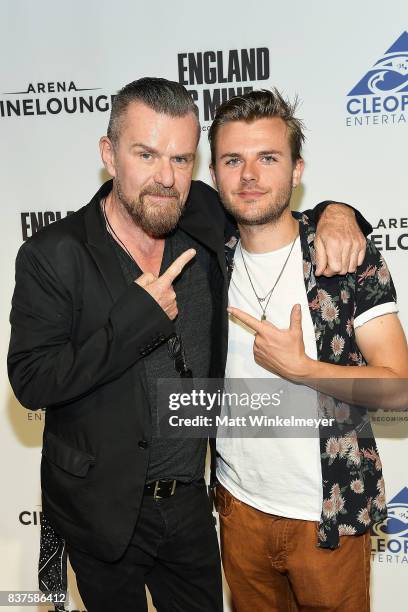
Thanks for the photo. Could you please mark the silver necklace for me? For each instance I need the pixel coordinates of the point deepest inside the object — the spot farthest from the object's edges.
(270, 292)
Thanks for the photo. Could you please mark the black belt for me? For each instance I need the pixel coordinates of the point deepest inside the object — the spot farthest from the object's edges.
(163, 488)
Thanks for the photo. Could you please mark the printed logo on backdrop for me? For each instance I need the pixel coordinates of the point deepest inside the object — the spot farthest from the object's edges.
(389, 539)
(30, 517)
(381, 96)
(391, 234)
(213, 77)
(53, 98)
(36, 415)
(32, 222)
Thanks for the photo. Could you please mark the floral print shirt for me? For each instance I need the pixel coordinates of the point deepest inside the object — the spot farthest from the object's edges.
(352, 481)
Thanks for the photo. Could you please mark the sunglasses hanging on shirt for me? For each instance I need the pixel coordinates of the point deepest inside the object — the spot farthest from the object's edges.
(176, 352)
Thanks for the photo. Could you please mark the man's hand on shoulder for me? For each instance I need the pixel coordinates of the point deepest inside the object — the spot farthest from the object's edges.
(340, 245)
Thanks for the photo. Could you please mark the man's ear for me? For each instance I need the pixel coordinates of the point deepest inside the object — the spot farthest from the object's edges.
(297, 172)
(212, 172)
(108, 155)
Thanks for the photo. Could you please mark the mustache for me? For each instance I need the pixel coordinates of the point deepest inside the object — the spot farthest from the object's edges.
(250, 188)
(159, 190)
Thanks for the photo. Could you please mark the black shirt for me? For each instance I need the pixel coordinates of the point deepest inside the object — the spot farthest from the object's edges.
(181, 459)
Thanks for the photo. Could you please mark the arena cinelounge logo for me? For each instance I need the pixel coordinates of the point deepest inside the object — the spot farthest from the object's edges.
(381, 96)
(390, 537)
(391, 234)
(53, 98)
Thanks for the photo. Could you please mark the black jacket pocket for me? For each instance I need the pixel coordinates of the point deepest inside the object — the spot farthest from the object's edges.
(69, 459)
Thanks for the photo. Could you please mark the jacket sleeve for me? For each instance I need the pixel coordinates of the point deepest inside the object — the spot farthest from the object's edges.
(45, 365)
(314, 215)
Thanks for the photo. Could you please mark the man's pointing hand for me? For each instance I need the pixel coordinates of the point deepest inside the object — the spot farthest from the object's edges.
(161, 288)
(281, 351)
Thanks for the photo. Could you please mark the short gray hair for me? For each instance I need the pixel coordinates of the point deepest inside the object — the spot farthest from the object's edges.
(163, 96)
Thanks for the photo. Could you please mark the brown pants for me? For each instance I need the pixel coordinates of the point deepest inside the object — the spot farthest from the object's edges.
(273, 564)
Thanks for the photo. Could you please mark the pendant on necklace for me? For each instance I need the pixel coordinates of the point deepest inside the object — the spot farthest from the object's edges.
(263, 318)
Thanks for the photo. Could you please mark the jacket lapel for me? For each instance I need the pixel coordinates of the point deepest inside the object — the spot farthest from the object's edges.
(99, 247)
(204, 220)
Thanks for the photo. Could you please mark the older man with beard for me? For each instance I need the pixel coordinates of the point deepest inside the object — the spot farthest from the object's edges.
(129, 289)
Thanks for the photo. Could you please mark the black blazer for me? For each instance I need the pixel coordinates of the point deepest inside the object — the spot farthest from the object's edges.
(78, 335)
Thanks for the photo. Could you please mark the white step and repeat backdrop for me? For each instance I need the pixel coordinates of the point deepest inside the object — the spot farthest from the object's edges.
(60, 65)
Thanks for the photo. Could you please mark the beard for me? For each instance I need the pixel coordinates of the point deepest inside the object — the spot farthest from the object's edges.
(157, 220)
(269, 214)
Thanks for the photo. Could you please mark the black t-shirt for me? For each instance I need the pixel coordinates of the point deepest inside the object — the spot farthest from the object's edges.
(181, 459)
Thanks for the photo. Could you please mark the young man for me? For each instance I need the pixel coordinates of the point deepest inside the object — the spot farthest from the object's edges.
(278, 498)
(129, 289)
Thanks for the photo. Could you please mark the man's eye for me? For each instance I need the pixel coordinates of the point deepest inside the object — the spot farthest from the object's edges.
(180, 160)
(234, 161)
(146, 156)
(269, 159)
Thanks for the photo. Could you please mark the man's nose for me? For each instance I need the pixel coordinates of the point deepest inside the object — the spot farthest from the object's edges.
(249, 172)
(164, 174)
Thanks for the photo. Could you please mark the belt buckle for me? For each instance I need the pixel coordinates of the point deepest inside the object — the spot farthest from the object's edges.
(156, 490)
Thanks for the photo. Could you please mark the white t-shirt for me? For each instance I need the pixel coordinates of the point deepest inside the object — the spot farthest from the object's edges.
(280, 476)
